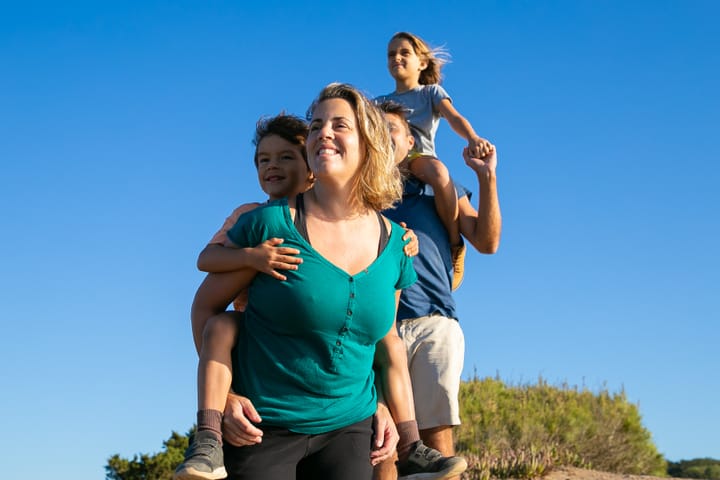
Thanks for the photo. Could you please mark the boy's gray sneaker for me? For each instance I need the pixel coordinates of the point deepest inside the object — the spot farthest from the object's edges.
(203, 459)
(425, 463)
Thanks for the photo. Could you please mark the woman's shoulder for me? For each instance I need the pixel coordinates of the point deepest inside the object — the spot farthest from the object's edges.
(269, 208)
(263, 214)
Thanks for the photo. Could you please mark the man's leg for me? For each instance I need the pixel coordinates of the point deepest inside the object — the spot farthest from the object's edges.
(440, 438)
(436, 350)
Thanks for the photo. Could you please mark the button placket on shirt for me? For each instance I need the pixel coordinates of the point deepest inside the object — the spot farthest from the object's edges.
(342, 333)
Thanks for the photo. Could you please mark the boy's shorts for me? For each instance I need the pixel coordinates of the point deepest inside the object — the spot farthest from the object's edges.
(436, 352)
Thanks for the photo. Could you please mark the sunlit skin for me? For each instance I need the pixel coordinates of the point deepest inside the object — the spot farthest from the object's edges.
(400, 134)
(404, 64)
(333, 144)
(281, 168)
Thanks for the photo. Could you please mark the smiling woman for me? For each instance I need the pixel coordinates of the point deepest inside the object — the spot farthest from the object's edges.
(315, 395)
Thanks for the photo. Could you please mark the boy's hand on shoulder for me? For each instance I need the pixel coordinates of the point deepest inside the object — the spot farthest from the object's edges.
(269, 257)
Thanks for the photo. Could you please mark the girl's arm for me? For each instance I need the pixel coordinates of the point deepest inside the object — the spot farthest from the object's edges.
(478, 146)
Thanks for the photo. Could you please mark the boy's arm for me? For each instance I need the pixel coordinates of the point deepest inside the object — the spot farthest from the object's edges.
(482, 227)
(268, 257)
(214, 258)
(219, 256)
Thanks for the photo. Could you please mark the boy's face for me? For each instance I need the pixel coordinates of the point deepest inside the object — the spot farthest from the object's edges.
(400, 135)
(282, 171)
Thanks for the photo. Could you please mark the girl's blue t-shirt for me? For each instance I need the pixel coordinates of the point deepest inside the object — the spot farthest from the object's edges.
(306, 353)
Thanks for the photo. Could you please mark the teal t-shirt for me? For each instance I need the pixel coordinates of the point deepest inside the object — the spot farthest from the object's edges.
(306, 353)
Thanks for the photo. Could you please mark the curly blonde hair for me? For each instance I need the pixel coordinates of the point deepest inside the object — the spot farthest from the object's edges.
(435, 58)
(378, 184)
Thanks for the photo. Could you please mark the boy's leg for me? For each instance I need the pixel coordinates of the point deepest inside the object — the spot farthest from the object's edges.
(433, 172)
(215, 369)
(204, 458)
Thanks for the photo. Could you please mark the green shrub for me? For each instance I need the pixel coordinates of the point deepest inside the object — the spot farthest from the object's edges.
(706, 468)
(523, 431)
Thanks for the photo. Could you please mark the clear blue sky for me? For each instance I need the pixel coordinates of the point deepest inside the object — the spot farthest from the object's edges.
(125, 134)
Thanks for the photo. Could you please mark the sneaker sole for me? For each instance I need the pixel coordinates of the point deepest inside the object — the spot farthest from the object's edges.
(455, 470)
(193, 474)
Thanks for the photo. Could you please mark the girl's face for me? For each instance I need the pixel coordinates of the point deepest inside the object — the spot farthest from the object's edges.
(281, 169)
(403, 62)
(333, 146)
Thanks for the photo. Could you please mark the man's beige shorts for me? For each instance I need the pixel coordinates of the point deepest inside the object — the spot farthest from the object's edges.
(436, 351)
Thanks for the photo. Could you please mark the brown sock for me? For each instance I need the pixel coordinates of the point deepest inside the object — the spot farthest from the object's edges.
(409, 434)
(210, 420)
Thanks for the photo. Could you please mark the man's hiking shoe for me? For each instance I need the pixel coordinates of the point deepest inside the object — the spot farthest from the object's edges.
(203, 459)
(458, 263)
(425, 463)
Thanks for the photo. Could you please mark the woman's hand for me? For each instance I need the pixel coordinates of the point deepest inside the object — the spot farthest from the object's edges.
(268, 258)
(237, 429)
(412, 247)
(386, 435)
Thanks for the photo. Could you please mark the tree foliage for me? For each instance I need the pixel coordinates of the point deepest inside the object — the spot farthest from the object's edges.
(158, 466)
(705, 468)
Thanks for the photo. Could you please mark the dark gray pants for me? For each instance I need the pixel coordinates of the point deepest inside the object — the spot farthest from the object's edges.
(342, 454)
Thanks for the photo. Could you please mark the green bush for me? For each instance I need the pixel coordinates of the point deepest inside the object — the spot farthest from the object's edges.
(523, 431)
(706, 468)
(159, 466)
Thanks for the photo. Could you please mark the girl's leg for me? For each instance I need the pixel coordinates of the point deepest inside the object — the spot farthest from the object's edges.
(433, 172)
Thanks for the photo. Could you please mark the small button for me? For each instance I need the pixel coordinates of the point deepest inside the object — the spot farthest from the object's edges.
(344, 329)
(338, 343)
(352, 295)
(349, 312)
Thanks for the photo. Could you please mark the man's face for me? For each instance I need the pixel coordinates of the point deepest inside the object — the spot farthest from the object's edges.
(401, 137)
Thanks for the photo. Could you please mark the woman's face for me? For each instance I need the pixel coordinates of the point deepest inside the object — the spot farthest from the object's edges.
(281, 169)
(333, 146)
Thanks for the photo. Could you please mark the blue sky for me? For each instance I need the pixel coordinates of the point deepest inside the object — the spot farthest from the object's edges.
(125, 133)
